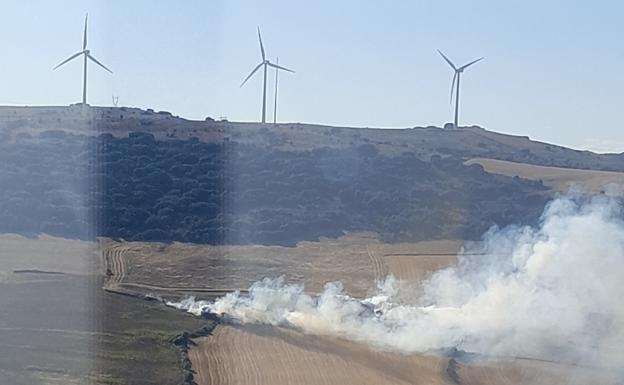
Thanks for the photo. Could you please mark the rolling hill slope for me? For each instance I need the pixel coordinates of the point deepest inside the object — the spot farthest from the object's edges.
(144, 175)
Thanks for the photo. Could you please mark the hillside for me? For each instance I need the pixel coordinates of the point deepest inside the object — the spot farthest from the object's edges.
(466, 142)
(143, 175)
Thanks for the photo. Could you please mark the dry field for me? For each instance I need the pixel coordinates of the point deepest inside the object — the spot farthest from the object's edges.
(357, 260)
(233, 354)
(45, 308)
(58, 327)
(253, 354)
(530, 372)
(262, 355)
(274, 356)
(47, 254)
(43, 312)
(413, 262)
(557, 178)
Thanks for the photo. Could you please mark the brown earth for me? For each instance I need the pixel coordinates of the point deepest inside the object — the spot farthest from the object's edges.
(262, 355)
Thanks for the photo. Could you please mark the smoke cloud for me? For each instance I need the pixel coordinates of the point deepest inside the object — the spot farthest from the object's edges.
(552, 292)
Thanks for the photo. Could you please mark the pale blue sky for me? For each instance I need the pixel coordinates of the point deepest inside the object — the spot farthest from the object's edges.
(552, 68)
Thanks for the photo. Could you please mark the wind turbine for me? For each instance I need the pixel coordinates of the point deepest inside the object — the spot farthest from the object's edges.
(87, 55)
(264, 63)
(456, 77)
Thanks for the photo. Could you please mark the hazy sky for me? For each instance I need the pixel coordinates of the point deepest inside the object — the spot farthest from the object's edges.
(552, 69)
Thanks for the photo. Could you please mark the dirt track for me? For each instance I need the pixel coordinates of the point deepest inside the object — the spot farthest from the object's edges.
(115, 264)
(379, 267)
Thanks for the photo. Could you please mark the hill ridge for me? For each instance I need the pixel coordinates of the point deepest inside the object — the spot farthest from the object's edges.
(425, 142)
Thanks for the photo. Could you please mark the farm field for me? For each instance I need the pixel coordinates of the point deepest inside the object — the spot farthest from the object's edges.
(357, 260)
(529, 372)
(114, 339)
(47, 253)
(58, 327)
(559, 179)
(254, 354)
(264, 355)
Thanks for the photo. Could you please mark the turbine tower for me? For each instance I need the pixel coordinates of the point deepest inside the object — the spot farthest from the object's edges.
(456, 77)
(87, 55)
(264, 63)
(275, 96)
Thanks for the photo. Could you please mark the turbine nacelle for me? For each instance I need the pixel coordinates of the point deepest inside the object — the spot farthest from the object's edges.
(462, 68)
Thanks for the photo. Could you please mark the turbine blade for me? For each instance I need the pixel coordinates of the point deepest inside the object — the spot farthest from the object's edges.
(251, 74)
(84, 39)
(471, 63)
(447, 60)
(261, 46)
(68, 59)
(98, 63)
(279, 67)
(453, 88)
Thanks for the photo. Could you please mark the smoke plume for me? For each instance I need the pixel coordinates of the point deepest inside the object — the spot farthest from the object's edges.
(552, 291)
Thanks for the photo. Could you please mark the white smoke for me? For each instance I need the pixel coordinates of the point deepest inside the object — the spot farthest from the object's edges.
(550, 292)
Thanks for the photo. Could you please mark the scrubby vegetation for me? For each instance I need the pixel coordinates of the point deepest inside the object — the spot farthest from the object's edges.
(140, 188)
(44, 184)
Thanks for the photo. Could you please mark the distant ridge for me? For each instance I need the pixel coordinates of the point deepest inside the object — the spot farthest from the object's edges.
(425, 142)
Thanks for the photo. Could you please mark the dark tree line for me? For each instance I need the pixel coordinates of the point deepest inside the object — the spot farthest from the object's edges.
(139, 188)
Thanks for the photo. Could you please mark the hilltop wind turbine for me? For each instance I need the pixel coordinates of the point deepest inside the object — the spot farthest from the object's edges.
(87, 55)
(456, 77)
(264, 63)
